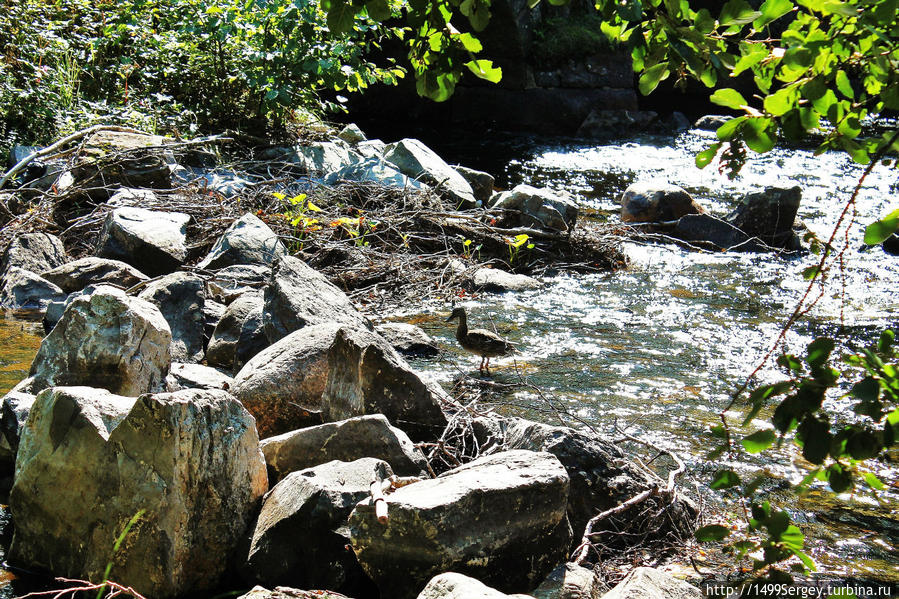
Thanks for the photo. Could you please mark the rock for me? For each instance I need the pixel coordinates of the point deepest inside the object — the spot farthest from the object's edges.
(649, 582)
(710, 122)
(891, 245)
(196, 376)
(604, 124)
(367, 376)
(500, 519)
(224, 181)
(75, 276)
(352, 134)
(247, 241)
(452, 585)
(601, 476)
(142, 162)
(153, 242)
(300, 537)
(495, 279)
(408, 339)
(14, 411)
(705, 228)
(769, 215)
(481, 183)
(212, 314)
(21, 289)
(570, 581)
(321, 157)
(132, 198)
(36, 252)
(656, 202)
(346, 440)
(56, 309)
(89, 461)
(106, 340)
(298, 296)
(375, 170)
(239, 278)
(180, 297)
(416, 160)
(239, 334)
(282, 385)
(259, 592)
(371, 148)
(541, 207)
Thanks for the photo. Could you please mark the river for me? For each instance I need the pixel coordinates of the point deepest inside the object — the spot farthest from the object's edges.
(660, 346)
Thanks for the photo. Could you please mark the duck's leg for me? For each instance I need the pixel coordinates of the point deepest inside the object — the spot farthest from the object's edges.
(487, 366)
(481, 367)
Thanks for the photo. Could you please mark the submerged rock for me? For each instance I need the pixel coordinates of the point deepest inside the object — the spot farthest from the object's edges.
(708, 229)
(239, 334)
(656, 202)
(106, 340)
(35, 252)
(498, 280)
(247, 241)
(300, 538)
(769, 215)
(21, 289)
(282, 385)
(181, 297)
(346, 440)
(414, 159)
(500, 519)
(78, 274)
(89, 461)
(538, 207)
(452, 585)
(153, 242)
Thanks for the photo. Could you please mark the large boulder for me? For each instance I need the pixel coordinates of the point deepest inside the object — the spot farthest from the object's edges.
(196, 376)
(656, 202)
(233, 281)
(500, 281)
(37, 252)
(347, 440)
(601, 475)
(299, 296)
(282, 385)
(153, 242)
(106, 340)
(452, 585)
(321, 157)
(14, 411)
(352, 134)
(300, 537)
(239, 334)
(570, 581)
(481, 183)
(89, 461)
(769, 215)
(408, 339)
(648, 582)
(260, 592)
(500, 519)
(705, 229)
(21, 289)
(181, 297)
(416, 160)
(538, 207)
(247, 241)
(375, 170)
(138, 161)
(367, 376)
(78, 274)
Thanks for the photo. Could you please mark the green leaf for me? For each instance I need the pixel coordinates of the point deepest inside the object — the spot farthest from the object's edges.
(759, 441)
(874, 482)
(886, 340)
(838, 477)
(340, 17)
(704, 22)
(790, 362)
(867, 389)
(748, 61)
(725, 479)
(728, 129)
(781, 101)
(815, 437)
(484, 69)
(729, 98)
(706, 156)
(478, 13)
(842, 81)
(792, 538)
(819, 351)
(881, 230)
(469, 42)
(811, 272)
(863, 445)
(712, 532)
(758, 135)
(651, 77)
(378, 10)
(737, 12)
(772, 10)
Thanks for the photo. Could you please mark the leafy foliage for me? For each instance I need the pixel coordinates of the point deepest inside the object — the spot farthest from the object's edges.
(560, 39)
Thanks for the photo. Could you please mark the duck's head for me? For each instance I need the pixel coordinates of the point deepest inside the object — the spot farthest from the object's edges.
(457, 313)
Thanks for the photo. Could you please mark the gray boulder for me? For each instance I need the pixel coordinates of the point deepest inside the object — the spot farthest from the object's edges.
(106, 340)
(153, 242)
(89, 461)
(247, 241)
(416, 160)
(769, 215)
(352, 134)
(321, 157)
(500, 281)
(14, 411)
(239, 334)
(452, 585)
(21, 289)
(371, 148)
(300, 537)
(78, 274)
(408, 339)
(570, 581)
(538, 207)
(500, 519)
(37, 252)
(233, 281)
(282, 385)
(212, 314)
(196, 376)
(346, 440)
(656, 202)
(649, 582)
(481, 183)
(181, 297)
(299, 296)
(375, 170)
(711, 122)
(260, 592)
(367, 376)
(721, 235)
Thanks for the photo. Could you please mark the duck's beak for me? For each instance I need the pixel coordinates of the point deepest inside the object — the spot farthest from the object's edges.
(452, 316)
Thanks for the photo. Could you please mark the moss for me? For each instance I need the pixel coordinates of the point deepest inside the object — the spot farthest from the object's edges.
(562, 38)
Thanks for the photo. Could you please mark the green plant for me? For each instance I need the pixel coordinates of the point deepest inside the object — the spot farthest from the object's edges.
(515, 244)
(558, 40)
(468, 252)
(115, 549)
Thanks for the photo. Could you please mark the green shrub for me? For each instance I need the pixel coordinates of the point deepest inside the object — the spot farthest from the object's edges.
(562, 38)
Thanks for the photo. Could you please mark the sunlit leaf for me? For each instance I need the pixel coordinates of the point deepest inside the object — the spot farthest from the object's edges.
(759, 441)
(712, 532)
(651, 77)
(729, 98)
(881, 230)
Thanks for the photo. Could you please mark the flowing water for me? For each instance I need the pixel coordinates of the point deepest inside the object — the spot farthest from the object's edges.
(661, 345)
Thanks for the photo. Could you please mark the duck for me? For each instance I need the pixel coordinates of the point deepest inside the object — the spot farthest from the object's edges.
(479, 341)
